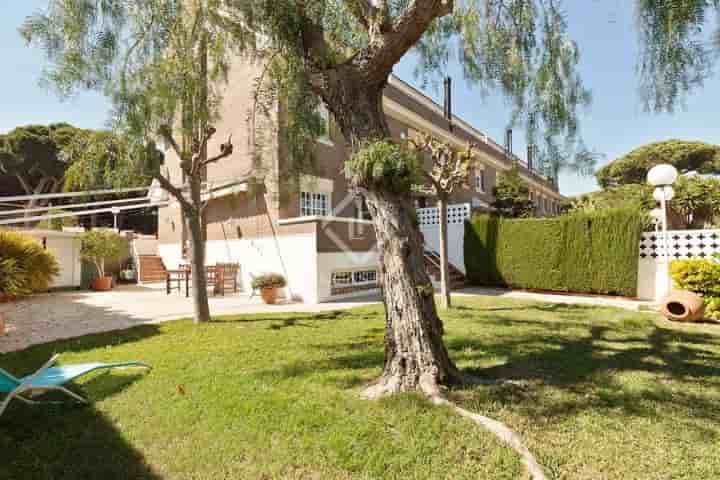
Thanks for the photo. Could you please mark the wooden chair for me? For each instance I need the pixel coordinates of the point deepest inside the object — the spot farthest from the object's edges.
(225, 277)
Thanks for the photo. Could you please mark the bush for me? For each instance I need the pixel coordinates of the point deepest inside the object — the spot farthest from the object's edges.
(697, 275)
(593, 252)
(101, 245)
(268, 280)
(387, 165)
(702, 277)
(25, 267)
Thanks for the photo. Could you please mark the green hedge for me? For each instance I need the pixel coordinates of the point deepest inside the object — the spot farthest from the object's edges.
(594, 252)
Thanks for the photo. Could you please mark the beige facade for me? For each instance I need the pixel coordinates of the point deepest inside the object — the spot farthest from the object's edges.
(320, 206)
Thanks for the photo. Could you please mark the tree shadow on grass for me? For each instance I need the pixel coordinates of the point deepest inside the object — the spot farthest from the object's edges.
(68, 440)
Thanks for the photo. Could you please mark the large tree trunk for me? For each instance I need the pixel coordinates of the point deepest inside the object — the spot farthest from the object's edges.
(197, 247)
(415, 355)
(444, 268)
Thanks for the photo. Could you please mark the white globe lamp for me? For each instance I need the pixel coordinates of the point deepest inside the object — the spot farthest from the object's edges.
(666, 193)
(662, 175)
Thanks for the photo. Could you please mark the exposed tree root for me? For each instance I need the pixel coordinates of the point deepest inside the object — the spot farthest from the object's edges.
(429, 386)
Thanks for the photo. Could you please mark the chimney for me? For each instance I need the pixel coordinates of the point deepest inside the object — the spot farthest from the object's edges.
(447, 103)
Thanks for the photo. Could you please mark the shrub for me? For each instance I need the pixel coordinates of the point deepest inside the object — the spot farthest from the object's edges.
(25, 267)
(101, 245)
(702, 277)
(595, 252)
(268, 280)
(697, 275)
(387, 165)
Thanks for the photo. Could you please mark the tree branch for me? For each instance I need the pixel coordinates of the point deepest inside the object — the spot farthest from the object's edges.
(226, 149)
(166, 134)
(174, 191)
(388, 45)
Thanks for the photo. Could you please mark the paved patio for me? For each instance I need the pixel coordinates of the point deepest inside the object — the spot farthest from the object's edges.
(47, 317)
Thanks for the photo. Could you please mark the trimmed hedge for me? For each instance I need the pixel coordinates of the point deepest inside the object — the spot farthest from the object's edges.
(593, 252)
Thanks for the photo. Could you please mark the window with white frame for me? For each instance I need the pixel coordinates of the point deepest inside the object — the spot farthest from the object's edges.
(480, 180)
(314, 204)
(348, 278)
(342, 279)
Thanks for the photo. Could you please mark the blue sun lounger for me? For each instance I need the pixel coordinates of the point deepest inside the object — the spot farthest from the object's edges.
(49, 378)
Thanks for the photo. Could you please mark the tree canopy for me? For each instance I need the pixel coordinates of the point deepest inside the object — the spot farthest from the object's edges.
(512, 195)
(686, 156)
(34, 154)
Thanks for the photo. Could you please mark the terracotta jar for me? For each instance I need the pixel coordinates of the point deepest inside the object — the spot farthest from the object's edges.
(269, 295)
(683, 306)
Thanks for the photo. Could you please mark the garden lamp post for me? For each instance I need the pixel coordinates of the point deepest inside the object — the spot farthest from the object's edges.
(115, 211)
(662, 177)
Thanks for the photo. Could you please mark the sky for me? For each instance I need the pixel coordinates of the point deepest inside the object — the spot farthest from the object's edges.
(605, 32)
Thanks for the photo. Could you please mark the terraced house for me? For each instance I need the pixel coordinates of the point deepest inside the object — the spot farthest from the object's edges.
(318, 234)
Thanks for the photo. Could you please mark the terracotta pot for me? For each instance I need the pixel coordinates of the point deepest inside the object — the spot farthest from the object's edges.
(102, 284)
(683, 306)
(269, 295)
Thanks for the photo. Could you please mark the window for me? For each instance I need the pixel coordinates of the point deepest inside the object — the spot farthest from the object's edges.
(314, 204)
(480, 180)
(364, 277)
(342, 279)
(354, 278)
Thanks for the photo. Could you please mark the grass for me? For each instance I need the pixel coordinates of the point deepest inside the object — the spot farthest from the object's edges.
(608, 394)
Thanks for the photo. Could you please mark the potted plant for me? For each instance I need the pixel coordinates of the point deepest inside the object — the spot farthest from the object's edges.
(99, 246)
(268, 284)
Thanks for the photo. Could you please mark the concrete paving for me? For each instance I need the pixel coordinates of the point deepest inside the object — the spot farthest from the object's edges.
(53, 316)
(47, 317)
(570, 299)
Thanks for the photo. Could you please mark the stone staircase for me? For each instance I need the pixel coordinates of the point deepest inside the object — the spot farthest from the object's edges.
(152, 269)
(432, 264)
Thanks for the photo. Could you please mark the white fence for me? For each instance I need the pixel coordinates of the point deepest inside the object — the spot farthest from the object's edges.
(429, 220)
(682, 244)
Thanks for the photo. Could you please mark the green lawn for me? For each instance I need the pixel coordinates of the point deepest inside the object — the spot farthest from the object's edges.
(607, 394)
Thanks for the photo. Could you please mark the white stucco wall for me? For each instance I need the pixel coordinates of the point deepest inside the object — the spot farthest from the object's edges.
(293, 256)
(66, 248)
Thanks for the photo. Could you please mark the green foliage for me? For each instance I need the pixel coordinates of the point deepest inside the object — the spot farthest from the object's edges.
(102, 159)
(582, 252)
(100, 245)
(512, 195)
(25, 267)
(268, 280)
(696, 201)
(675, 54)
(34, 154)
(386, 165)
(684, 155)
(701, 276)
(697, 275)
(57, 223)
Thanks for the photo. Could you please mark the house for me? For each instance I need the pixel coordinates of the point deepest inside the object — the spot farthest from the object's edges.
(317, 235)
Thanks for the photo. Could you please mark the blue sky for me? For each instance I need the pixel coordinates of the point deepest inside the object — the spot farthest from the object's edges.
(604, 29)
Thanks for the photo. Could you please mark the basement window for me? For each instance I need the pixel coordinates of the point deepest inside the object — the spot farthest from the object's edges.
(354, 278)
(314, 204)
